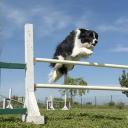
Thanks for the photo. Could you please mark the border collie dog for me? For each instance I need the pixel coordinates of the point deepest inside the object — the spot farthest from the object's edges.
(78, 44)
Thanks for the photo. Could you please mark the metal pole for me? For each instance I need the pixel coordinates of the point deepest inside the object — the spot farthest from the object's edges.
(65, 96)
(107, 88)
(4, 103)
(95, 64)
(9, 99)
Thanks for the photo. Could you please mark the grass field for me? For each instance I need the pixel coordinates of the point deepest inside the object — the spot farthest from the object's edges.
(75, 118)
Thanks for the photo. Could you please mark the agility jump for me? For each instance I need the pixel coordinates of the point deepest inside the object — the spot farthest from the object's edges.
(33, 113)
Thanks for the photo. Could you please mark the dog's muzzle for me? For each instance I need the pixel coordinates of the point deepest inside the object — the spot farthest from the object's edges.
(94, 43)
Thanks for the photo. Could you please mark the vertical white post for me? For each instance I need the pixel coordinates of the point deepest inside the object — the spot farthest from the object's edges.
(4, 103)
(33, 114)
(65, 101)
(50, 103)
(9, 99)
(52, 108)
(65, 96)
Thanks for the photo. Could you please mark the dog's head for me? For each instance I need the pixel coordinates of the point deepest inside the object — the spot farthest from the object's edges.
(88, 38)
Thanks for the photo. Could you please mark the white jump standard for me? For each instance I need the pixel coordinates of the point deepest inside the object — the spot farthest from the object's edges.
(9, 105)
(33, 114)
(65, 103)
(50, 103)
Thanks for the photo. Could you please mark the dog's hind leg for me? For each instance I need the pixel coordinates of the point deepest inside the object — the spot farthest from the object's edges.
(57, 73)
(54, 75)
(59, 65)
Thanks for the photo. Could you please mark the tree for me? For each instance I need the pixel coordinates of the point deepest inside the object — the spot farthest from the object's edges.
(74, 92)
(123, 79)
(81, 92)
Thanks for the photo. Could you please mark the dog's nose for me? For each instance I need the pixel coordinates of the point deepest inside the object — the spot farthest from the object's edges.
(95, 42)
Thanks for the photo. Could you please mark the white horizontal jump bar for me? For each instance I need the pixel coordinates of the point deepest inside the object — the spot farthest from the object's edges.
(108, 88)
(81, 63)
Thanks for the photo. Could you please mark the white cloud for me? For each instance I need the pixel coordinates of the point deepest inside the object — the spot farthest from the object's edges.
(82, 21)
(11, 19)
(17, 16)
(119, 25)
(122, 20)
(105, 28)
(49, 18)
(120, 48)
(13, 15)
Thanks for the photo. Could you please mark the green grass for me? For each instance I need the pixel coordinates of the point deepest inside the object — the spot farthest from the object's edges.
(75, 118)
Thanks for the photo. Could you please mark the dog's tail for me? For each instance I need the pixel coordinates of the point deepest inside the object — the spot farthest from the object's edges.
(54, 75)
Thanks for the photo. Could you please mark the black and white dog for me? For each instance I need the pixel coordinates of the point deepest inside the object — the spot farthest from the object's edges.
(78, 44)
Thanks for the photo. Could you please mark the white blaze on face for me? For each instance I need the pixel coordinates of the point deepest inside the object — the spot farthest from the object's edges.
(77, 32)
(77, 40)
(77, 43)
(94, 40)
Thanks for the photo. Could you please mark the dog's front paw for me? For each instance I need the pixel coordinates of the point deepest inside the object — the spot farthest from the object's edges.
(86, 51)
(89, 52)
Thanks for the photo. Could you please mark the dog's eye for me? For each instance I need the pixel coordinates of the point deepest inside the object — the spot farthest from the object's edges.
(96, 35)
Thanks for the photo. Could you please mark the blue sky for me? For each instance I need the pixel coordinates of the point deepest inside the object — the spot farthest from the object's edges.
(53, 20)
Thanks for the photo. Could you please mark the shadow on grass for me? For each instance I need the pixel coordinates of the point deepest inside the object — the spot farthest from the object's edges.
(99, 116)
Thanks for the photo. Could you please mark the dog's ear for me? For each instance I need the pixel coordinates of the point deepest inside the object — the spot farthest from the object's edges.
(72, 33)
